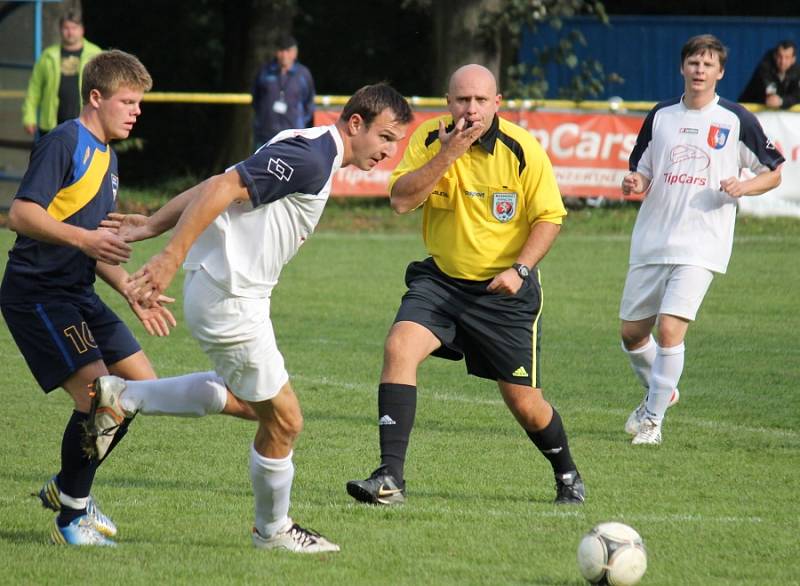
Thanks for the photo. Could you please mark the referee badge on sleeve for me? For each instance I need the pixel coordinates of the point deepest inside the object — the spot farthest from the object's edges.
(504, 205)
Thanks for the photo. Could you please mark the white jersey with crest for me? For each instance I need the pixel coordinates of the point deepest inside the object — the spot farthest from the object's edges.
(289, 180)
(686, 218)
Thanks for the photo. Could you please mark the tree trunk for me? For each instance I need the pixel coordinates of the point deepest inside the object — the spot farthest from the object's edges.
(457, 40)
(251, 31)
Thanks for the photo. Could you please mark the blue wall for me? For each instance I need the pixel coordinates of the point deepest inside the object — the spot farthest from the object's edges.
(645, 50)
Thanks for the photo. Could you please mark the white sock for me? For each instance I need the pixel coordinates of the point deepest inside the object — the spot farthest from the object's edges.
(72, 502)
(667, 370)
(272, 487)
(641, 361)
(190, 395)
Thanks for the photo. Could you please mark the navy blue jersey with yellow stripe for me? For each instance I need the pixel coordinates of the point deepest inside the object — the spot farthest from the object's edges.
(73, 176)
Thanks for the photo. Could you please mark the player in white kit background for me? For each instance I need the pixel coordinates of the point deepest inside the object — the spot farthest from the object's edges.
(688, 158)
(235, 231)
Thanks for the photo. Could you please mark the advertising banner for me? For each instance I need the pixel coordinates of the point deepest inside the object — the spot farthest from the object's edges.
(783, 128)
(590, 152)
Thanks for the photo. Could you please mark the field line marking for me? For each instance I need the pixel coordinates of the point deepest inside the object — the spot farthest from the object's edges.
(449, 397)
(427, 508)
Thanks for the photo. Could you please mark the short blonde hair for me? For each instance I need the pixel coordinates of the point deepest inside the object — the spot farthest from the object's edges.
(111, 70)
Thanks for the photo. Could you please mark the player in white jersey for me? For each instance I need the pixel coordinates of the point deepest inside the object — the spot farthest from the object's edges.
(688, 158)
(236, 231)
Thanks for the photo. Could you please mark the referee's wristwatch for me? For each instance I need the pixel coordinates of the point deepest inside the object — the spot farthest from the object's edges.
(522, 270)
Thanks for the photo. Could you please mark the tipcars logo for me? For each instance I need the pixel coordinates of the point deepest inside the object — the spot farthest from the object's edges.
(572, 141)
(280, 169)
(688, 152)
(688, 157)
(684, 179)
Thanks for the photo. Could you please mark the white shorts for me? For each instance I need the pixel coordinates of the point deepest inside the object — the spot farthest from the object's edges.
(652, 290)
(236, 334)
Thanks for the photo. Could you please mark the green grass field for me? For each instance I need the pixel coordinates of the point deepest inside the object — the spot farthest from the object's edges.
(716, 503)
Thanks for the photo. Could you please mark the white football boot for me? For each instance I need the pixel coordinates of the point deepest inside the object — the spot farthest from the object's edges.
(636, 417)
(294, 538)
(105, 415)
(649, 433)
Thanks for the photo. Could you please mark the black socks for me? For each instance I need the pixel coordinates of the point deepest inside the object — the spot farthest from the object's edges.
(77, 469)
(552, 443)
(397, 405)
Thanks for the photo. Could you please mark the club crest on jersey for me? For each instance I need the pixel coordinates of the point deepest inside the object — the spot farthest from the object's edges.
(504, 205)
(114, 186)
(280, 169)
(718, 136)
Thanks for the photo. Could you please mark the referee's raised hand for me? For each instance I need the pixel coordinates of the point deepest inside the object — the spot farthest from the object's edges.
(456, 142)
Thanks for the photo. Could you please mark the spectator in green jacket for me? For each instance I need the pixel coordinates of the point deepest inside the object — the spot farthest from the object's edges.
(54, 89)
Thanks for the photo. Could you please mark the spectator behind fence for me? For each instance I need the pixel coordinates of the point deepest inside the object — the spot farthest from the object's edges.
(54, 89)
(283, 94)
(776, 80)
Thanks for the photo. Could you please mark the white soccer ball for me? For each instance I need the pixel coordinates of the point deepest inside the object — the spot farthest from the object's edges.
(612, 554)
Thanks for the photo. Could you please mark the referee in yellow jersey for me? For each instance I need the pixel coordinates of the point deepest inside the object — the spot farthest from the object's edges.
(492, 210)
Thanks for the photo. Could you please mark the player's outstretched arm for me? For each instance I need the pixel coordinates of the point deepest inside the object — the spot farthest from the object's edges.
(205, 202)
(129, 227)
(32, 220)
(157, 320)
(136, 227)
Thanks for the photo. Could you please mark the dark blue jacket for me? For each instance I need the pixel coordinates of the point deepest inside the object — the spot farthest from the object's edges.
(297, 90)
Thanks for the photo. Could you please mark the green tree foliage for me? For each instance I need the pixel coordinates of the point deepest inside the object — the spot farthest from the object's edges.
(528, 79)
(490, 31)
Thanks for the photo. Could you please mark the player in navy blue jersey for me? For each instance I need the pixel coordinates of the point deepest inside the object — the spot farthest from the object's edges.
(233, 234)
(65, 332)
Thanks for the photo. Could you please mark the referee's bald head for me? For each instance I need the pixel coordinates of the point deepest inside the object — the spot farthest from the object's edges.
(471, 74)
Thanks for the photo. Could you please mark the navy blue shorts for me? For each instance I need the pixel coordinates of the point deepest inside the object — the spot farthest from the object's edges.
(59, 337)
(498, 335)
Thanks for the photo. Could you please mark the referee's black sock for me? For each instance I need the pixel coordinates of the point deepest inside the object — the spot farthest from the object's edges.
(552, 443)
(77, 469)
(397, 405)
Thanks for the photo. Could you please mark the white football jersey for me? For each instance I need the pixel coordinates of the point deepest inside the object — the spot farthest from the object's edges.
(685, 217)
(289, 181)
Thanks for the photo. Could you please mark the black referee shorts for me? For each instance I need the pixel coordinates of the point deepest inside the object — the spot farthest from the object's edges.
(497, 335)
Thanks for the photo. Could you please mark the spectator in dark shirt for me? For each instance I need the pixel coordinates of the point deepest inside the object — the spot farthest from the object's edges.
(283, 94)
(776, 80)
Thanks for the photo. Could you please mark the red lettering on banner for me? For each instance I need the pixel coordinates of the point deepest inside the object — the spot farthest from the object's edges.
(589, 151)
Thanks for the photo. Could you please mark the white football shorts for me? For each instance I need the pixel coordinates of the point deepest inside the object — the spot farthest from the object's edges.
(653, 289)
(236, 334)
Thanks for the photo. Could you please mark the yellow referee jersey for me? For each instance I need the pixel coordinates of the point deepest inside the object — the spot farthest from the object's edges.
(479, 215)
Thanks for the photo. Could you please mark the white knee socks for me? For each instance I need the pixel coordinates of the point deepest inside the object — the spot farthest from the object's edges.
(272, 487)
(667, 370)
(191, 395)
(641, 361)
